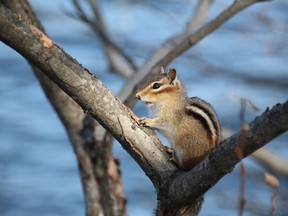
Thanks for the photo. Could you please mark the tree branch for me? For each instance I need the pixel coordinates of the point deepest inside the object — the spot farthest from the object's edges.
(95, 98)
(268, 160)
(200, 15)
(118, 60)
(82, 136)
(222, 160)
(273, 163)
(141, 143)
(175, 46)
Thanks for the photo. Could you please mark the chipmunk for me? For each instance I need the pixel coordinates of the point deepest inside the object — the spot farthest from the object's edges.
(189, 124)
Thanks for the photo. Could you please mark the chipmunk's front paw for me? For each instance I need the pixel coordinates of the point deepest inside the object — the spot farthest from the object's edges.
(148, 122)
(143, 121)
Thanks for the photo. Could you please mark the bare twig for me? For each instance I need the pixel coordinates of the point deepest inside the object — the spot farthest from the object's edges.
(242, 200)
(200, 15)
(175, 46)
(273, 202)
(244, 103)
(118, 60)
(274, 183)
(240, 153)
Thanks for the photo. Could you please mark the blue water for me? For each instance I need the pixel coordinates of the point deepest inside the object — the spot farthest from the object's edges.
(38, 170)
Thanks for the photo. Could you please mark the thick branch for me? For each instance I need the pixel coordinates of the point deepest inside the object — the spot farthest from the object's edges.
(88, 91)
(96, 192)
(141, 143)
(222, 160)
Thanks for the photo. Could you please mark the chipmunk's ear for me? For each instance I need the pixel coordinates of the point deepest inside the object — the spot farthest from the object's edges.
(172, 74)
(162, 71)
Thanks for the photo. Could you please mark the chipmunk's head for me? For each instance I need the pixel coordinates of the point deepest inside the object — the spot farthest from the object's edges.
(160, 88)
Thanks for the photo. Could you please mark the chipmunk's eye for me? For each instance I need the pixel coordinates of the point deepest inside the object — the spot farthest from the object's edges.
(156, 85)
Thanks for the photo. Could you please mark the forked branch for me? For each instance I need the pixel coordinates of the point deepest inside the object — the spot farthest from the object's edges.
(141, 143)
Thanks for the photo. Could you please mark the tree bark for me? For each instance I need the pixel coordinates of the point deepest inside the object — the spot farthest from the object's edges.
(98, 169)
(175, 189)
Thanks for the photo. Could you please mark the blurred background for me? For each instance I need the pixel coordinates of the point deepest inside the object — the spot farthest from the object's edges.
(247, 57)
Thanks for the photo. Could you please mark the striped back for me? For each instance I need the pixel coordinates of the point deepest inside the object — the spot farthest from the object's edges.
(205, 114)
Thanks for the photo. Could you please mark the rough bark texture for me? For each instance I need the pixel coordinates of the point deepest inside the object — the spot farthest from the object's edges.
(175, 189)
(191, 209)
(223, 159)
(98, 169)
(85, 89)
